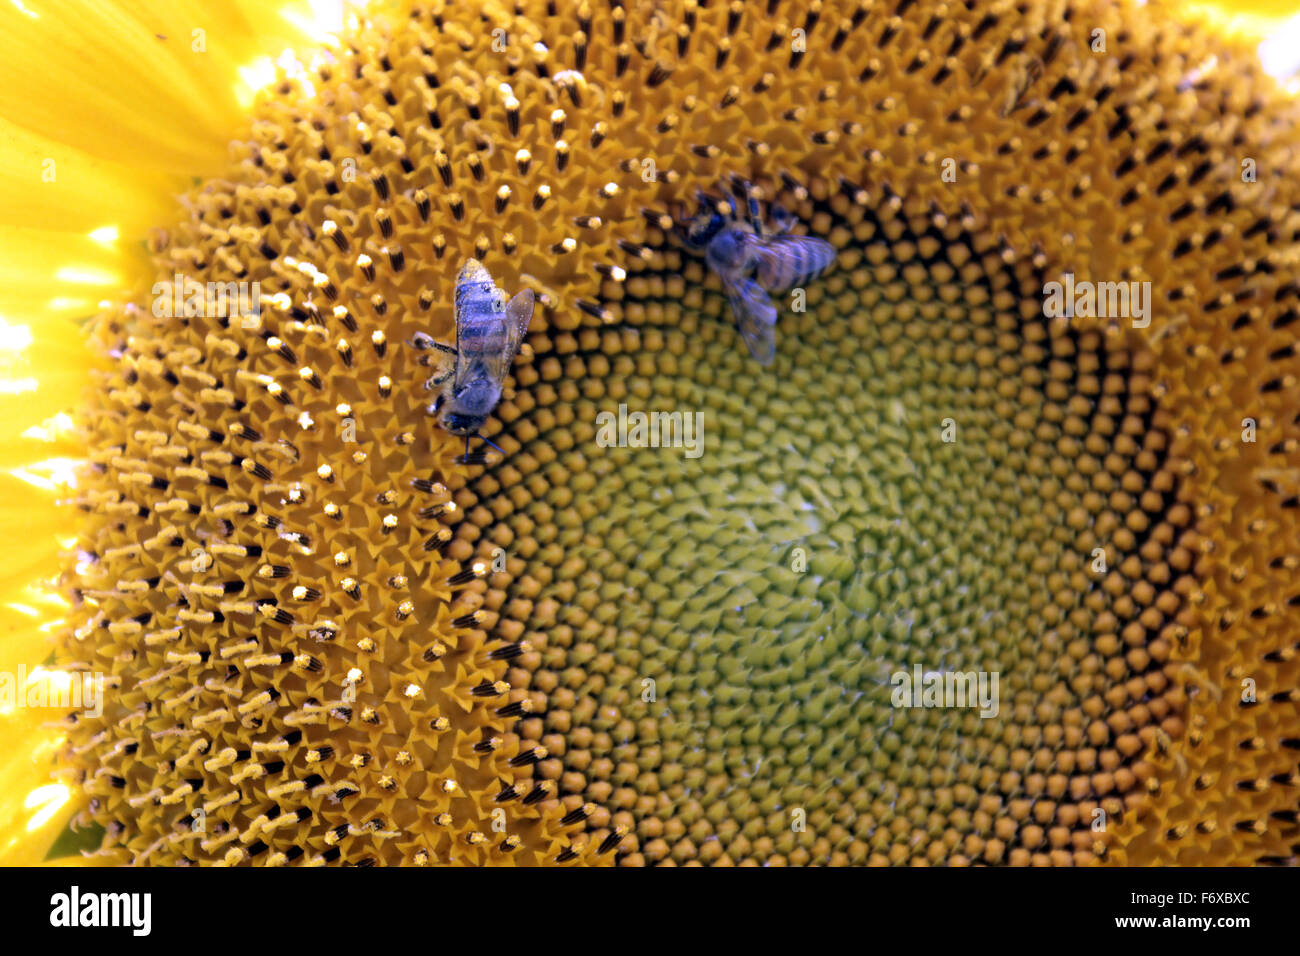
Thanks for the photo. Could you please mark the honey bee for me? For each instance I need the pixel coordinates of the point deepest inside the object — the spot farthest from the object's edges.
(735, 247)
(489, 331)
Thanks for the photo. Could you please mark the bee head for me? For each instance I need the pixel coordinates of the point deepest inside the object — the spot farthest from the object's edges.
(459, 423)
(702, 235)
(700, 230)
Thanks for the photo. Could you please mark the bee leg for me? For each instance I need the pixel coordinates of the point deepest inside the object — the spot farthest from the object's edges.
(423, 342)
(478, 458)
(437, 380)
(752, 206)
(489, 441)
(782, 218)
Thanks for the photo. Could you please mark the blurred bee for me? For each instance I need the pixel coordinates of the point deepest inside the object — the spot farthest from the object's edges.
(735, 247)
(489, 331)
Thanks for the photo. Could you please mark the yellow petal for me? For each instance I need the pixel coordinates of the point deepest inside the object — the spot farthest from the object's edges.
(1252, 20)
(43, 368)
(52, 193)
(155, 85)
(106, 115)
(33, 808)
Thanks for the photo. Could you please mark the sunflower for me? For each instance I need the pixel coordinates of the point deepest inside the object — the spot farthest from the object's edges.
(322, 634)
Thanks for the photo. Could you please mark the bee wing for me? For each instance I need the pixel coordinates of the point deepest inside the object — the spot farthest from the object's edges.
(787, 261)
(462, 358)
(519, 312)
(514, 324)
(756, 318)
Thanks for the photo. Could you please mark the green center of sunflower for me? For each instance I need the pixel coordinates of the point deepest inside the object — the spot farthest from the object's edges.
(930, 480)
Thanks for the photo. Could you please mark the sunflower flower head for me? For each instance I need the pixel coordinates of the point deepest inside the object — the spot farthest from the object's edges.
(325, 635)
